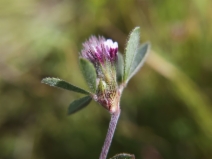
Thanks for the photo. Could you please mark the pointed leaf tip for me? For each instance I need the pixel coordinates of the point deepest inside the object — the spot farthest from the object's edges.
(123, 156)
(89, 73)
(56, 82)
(78, 104)
(130, 52)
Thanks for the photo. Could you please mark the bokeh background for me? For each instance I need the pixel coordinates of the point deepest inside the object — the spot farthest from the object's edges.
(166, 108)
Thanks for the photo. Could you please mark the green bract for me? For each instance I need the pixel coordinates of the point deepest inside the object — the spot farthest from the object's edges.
(119, 68)
(89, 73)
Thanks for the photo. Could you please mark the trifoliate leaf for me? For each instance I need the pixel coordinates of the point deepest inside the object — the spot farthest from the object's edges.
(89, 73)
(139, 59)
(78, 104)
(123, 156)
(56, 82)
(119, 68)
(130, 52)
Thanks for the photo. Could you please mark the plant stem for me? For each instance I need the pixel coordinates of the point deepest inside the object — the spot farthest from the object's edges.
(112, 126)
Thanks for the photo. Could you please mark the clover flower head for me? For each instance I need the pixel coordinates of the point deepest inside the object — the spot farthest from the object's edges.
(103, 54)
(99, 50)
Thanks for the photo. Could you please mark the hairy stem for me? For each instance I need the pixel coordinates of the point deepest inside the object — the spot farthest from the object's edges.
(112, 126)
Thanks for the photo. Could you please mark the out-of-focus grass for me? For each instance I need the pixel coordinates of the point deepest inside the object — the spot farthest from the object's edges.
(166, 108)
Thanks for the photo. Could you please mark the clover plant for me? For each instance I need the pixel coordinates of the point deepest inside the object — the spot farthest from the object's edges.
(107, 73)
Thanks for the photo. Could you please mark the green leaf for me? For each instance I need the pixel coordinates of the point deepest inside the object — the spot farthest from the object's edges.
(119, 68)
(89, 73)
(56, 82)
(130, 52)
(123, 156)
(78, 104)
(139, 59)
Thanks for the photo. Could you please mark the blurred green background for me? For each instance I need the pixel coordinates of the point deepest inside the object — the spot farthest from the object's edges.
(166, 108)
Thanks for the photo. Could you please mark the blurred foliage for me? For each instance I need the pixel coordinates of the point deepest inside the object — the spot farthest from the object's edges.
(166, 108)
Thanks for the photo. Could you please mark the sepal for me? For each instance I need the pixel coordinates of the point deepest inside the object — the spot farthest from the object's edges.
(89, 73)
(119, 68)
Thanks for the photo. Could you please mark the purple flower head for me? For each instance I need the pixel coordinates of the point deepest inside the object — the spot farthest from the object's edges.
(103, 54)
(99, 50)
